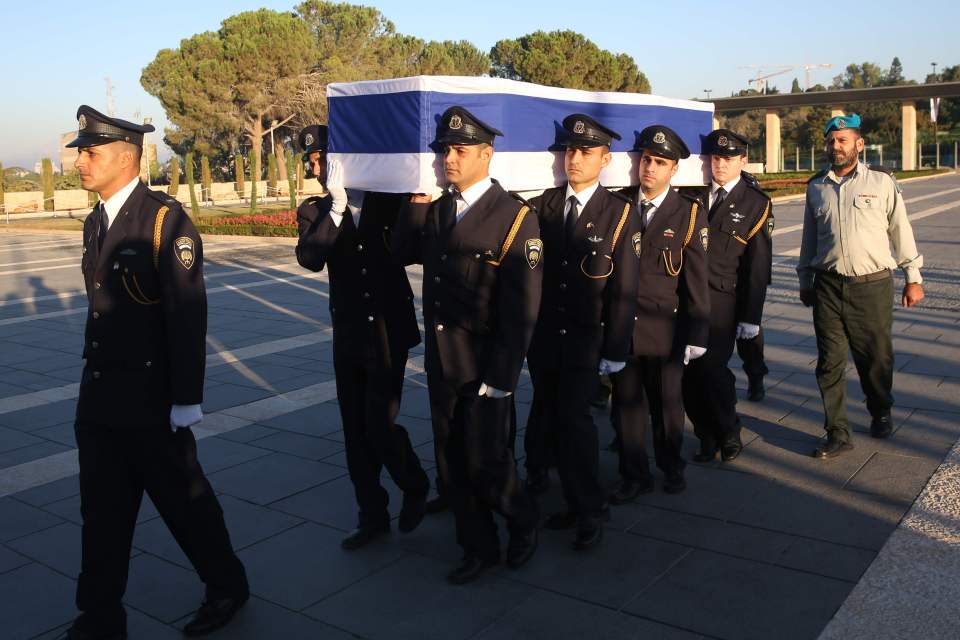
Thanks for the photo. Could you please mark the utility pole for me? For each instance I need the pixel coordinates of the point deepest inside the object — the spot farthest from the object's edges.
(708, 92)
(111, 108)
(934, 107)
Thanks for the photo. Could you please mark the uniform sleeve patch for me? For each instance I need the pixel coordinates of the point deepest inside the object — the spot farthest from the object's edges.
(183, 248)
(637, 240)
(705, 238)
(533, 251)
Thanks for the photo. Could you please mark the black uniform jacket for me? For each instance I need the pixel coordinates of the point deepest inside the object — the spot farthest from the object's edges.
(741, 248)
(673, 298)
(589, 285)
(371, 303)
(479, 304)
(145, 339)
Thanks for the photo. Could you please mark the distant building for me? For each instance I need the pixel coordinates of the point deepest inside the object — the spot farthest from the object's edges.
(67, 156)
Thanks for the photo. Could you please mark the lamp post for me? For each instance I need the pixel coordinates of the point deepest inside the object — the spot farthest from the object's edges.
(934, 105)
(708, 92)
(146, 148)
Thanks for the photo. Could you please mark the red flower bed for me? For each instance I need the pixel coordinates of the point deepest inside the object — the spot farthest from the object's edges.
(287, 218)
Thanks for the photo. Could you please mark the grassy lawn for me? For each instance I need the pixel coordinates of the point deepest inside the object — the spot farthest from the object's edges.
(791, 183)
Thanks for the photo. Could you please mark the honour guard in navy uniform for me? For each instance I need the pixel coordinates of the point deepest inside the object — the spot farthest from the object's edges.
(591, 264)
(673, 309)
(374, 326)
(741, 249)
(142, 385)
(481, 253)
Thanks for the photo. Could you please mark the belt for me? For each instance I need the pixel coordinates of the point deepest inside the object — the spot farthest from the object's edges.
(870, 277)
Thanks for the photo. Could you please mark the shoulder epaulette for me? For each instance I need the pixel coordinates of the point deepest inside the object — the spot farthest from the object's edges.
(163, 198)
(620, 196)
(691, 197)
(817, 175)
(881, 170)
(749, 178)
(516, 196)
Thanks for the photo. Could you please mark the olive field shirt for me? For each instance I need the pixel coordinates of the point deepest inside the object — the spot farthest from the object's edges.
(850, 224)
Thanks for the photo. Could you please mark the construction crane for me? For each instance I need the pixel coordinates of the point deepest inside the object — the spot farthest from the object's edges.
(806, 72)
(760, 80)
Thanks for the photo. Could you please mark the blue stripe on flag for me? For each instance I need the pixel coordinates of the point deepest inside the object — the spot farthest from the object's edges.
(405, 122)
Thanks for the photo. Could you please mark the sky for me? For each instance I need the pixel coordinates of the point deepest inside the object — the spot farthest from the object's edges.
(57, 53)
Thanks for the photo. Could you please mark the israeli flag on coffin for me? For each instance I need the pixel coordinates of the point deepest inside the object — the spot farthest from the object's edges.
(381, 130)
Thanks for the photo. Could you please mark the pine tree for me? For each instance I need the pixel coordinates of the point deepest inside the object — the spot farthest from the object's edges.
(174, 186)
(206, 179)
(191, 183)
(251, 160)
(46, 179)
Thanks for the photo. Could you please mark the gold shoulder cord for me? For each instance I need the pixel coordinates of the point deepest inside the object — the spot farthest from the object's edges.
(511, 236)
(157, 229)
(668, 255)
(759, 224)
(613, 246)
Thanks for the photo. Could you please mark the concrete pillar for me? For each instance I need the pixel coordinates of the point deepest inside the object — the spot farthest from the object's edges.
(836, 111)
(773, 142)
(716, 122)
(908, 136)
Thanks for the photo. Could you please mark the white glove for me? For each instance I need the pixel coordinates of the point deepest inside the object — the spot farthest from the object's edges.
(609, 366)
(747, 331)
(335, 187)
(490, 392)
(184, 415)
(692, 352)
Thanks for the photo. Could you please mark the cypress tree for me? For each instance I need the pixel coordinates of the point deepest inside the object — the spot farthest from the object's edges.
(299, 176)
(291, 180)
(206, 179)
(46, 179)
(191, 183)
(174, 186)
(253, 181)
(1, 187)
(238, 174)
(272, 173)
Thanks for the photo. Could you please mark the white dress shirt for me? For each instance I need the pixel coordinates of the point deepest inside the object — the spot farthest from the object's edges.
(726, 187)
(656, 202)
(114, 203)
(582, 198)
(466, 199)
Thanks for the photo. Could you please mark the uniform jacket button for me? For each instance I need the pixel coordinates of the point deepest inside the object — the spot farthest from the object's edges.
(563, 285)
(436, 304)
(366, 294)
(443, 257)
(95, 344)
(363, 271)
(439, 327)
(96, 375)
(436, 278)
(563, 263)
(148, 363)
(96, 285)
(359, 247)
(369, 318)
(563, 332)
(96, 315)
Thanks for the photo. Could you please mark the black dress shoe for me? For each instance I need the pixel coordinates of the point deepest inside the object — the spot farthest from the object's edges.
(881, 426)
(438, 505)
(832, 448)
(707, 451)
(589, 535)
(629, 490)
(214, 614)
(521, 548)
(537, 481)
(674, 482)
(412, 512)
(85, 628)
(755, 389)
(471, 567)
(364, 535)
(731, 448)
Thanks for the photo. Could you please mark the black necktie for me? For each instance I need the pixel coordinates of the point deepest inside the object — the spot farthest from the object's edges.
(448, 214)
(717, 199)
(570, 223)
(645, 207)
(104, 225)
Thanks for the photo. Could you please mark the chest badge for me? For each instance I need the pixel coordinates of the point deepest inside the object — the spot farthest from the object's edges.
(533, 251)
(668, 233)
(705, 238)
(183, 249)
(636, 239)
(736, 216)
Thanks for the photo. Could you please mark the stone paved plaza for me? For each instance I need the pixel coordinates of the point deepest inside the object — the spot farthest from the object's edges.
(769, 546)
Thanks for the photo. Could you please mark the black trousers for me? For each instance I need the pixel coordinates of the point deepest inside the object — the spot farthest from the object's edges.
(482, 469)
(369, 395)
(649, 388)
(751, 353)
(564, 398)
(855, 318)
(709, 386)
(538, 447)
(116, 467)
